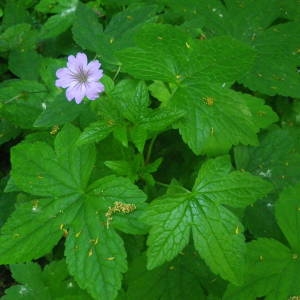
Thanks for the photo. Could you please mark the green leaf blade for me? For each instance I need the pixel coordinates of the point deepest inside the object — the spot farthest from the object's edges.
(288, 215)
(218, 238)
(170, 230)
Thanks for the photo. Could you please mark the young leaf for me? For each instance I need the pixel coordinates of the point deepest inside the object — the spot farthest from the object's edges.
(217, 233)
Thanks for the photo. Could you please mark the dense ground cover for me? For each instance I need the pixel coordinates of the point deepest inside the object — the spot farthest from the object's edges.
(150, 149)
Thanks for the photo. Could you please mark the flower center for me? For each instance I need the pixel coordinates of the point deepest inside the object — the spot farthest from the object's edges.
(81, 76)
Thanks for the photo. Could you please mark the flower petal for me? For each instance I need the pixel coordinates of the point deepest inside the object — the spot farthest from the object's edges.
(93, 89)
(65, 78)
(94, 71)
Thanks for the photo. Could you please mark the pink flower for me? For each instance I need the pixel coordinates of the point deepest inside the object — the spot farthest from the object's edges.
(80, 78)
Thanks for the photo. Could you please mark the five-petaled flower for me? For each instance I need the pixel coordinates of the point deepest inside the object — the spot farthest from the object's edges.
(80, 78)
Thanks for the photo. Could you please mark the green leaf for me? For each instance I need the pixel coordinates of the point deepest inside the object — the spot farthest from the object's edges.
(288, 215)
(273, 267)
(52, 282)
(57, 24)
(32, 284)
(278, 43)
(95, 252)
(220, 185)
(217, 233)
(17, 36)
(237, 120)
(95, 132)
(58, 112)
(256, 23)
(176, 280)
(39, 170)
(35, 228)
(118, 33)
(276, 159)
(24, 63)
(87, 31)
(272, 272)
(21, 101)
(95, 255)
(177, 56)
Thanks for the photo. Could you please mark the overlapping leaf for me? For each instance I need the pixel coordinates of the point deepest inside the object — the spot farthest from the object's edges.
(67, 206)
(215, 116)
(273, 268)
(217, 232)
(258, 24)
(88, 32)
(127, 115)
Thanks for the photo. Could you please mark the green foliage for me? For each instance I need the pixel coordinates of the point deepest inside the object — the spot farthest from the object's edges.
(216, 232)
(181, 181)
(272, 266)
(51, 282)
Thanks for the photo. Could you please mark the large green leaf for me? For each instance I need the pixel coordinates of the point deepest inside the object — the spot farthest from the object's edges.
(217, 118)
(217, 233)
(178, 56)
(256, 23)
(39, 170)
(273, 267)
(95, 252)
(87, 214)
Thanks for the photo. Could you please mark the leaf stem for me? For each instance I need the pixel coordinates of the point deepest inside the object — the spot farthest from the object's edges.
(149, 152)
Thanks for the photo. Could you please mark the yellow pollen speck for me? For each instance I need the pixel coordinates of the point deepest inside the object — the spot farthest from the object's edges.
(111, 40)
(61, 227)
(65, 231)
(95, 242)
(295, 256)
(78, 234)
(178, 76)
(171, 268)
(90, 252)
(54, 130)
(237, 230)
(261, 258)
(209, 101)
(110, 258)
(160, 38)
